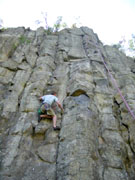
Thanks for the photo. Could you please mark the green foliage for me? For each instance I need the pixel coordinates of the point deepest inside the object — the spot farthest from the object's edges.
(127, 46)
(58, 25)
(15, 46)
(2, 29)
(131, 43)
(24, 39)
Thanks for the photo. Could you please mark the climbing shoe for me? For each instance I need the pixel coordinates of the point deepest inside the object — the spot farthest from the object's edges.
(56, 128)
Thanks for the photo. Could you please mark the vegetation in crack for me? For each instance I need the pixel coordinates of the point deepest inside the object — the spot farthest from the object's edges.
(24, 40)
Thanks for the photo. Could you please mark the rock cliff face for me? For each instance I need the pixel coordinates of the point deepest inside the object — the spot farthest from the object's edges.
(97, 136)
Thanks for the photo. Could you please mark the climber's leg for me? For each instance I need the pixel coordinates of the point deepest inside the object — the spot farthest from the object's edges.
(46, 116)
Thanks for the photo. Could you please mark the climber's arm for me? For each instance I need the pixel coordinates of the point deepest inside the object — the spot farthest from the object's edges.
(60, 106)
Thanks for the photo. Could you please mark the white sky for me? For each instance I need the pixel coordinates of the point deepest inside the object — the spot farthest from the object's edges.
(110, 19)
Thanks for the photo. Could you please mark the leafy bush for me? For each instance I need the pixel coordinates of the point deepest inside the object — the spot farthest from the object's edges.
(58, 25)
(127, 46)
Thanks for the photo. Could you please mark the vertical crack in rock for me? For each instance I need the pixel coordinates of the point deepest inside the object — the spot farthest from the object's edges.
(129, 140)
(117, 114)
(125, 133)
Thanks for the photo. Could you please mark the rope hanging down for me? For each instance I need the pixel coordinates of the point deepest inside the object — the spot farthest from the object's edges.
(116, 86)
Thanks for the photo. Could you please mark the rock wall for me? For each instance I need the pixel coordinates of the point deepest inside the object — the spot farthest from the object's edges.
(97, 136)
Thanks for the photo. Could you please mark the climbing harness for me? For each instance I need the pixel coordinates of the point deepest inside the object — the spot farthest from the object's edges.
(47, 106)
(115, 84)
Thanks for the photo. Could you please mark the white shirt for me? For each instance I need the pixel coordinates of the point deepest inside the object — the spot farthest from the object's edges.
(50, 99)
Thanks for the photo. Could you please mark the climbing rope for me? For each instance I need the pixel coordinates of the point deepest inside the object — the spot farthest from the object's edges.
(116, 86)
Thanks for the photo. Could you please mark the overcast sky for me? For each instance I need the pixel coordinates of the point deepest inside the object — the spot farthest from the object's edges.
(110, 19)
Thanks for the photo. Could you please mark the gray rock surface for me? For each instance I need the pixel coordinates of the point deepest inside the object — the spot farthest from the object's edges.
(97, 136)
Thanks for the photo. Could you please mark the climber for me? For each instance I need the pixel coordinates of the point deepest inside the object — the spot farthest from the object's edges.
(47, 108)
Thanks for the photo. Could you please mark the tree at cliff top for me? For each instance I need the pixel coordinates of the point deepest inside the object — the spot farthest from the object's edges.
(58, 25)
(127, 45)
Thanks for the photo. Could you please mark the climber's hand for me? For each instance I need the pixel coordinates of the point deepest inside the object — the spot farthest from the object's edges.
(62, 111)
